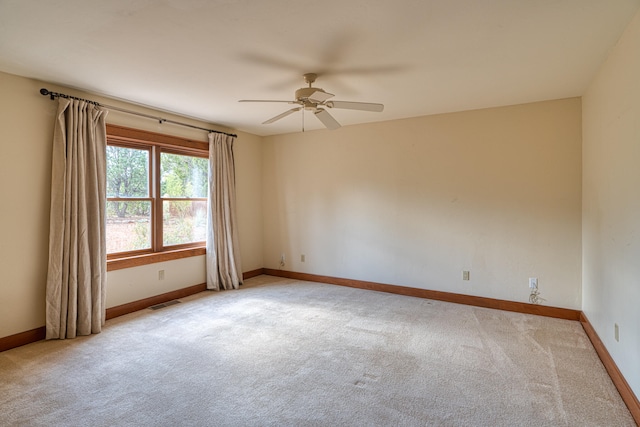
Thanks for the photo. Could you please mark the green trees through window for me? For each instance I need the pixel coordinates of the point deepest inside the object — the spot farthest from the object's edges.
(156, 198)
(183, 186)
(129, 202)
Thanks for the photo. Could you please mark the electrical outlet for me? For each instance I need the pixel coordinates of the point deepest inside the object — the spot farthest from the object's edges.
(533, 283)
(282, 260)
(160, 274)
(302, 258)
(465, 275)
(616, 332)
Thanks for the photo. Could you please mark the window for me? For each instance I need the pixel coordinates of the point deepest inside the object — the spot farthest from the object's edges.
(157, 190)
(129, 201)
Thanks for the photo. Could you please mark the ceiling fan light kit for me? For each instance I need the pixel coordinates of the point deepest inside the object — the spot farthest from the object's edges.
(313, 99)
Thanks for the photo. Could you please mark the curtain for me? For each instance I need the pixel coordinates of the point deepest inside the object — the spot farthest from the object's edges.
(223, 255)
(76, 276)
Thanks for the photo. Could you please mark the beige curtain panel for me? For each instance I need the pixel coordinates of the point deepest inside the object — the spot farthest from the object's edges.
(224, 269)
(76, 278)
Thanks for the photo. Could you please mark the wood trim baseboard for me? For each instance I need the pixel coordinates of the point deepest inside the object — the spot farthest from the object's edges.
(253, 273)
(22, 338)
(629, 398)
(169, 296)
(142, 304)
(519, 307)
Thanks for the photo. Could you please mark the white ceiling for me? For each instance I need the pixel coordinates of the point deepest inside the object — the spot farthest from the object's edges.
(418, 57)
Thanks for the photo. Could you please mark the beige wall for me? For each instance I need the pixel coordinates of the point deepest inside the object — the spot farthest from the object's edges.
(611, 203)
(410, 202)
(26, 129)
(414, 202)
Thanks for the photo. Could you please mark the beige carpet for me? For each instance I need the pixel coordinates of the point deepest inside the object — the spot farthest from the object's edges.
(284, 353)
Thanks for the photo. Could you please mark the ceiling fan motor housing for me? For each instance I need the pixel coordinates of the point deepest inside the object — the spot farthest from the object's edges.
(304, 93)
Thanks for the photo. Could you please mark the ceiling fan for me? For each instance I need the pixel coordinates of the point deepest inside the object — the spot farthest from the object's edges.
(316, 99)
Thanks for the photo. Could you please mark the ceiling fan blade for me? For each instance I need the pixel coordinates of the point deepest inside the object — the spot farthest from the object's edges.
(320, 96)
(265, 100)
(326, 119)
(282, 115)
(362, 106)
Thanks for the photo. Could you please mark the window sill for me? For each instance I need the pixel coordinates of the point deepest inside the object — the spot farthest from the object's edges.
(138, 260)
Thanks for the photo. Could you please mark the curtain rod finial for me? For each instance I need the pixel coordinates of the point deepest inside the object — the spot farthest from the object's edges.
(46, 92)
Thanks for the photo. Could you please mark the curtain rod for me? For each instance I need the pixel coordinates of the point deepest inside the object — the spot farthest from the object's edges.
(54, 95)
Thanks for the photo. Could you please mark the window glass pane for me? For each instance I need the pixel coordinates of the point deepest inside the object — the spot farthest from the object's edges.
(183, 176)
(128, 226)
(184, 221)
(127, 172)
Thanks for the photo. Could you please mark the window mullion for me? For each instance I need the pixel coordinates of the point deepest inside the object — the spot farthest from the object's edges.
(157, 201)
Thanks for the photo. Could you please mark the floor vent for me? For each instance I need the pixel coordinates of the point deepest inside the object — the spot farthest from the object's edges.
(164, 304)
